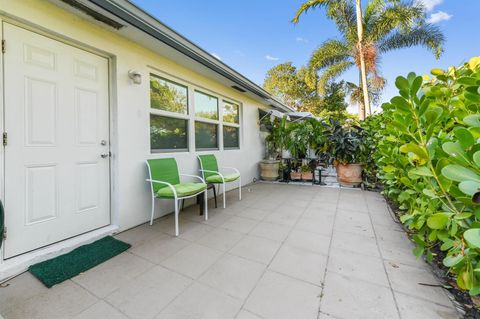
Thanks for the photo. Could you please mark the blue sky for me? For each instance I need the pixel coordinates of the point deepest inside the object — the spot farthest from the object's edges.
(254, 35)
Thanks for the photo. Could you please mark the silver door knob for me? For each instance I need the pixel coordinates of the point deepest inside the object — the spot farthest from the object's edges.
(104, 155)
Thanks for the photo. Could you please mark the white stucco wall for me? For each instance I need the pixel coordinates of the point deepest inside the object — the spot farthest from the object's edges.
(130, 108)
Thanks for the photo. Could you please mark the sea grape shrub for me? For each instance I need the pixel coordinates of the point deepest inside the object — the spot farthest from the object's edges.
(427, 152)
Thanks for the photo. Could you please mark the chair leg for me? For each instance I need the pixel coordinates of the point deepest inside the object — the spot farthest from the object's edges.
(224, 199)
(215, 194)
(153, 211)
(176, 217)
(239, 188)
(205, 202)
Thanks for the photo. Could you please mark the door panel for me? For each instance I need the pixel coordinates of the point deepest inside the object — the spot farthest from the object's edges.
(56, 115)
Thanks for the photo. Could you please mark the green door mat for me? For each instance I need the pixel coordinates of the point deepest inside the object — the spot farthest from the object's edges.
(61, 268)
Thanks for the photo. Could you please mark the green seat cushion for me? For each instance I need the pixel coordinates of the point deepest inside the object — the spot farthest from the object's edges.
(227, 177)
(183, 189)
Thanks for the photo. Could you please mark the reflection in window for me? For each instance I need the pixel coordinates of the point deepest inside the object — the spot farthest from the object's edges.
(206, 136)
(230, 137)
(206, 106)
(230, 112)
(168, 133)
(168, 96)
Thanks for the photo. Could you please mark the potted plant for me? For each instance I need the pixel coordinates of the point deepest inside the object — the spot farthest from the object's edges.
(307, 174)
(274, 143)
(345, 144)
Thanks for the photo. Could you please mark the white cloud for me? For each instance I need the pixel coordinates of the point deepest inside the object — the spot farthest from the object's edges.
(439, 16)
(216, 56)
(271, 58)
(300, 39)
(429, 4)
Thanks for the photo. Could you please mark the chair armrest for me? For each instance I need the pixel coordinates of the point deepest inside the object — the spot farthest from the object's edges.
(231, 168)
(163, 183)
(195, 176)
(218, 173)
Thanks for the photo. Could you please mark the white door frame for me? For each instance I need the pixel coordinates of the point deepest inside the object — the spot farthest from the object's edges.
(113, 136)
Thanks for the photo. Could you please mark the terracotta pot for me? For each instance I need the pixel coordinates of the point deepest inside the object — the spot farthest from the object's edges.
(269, 170)
(349, 174)
(295, 175)
(307, 176)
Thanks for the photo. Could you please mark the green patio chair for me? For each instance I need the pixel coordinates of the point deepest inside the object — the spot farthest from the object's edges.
(211, 174)
(165, 183)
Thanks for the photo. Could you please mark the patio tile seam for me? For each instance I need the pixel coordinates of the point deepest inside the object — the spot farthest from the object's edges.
(328, 256)
(357, 278)
(267, 268)
(383, 264)
(451, 306)
(294, 278)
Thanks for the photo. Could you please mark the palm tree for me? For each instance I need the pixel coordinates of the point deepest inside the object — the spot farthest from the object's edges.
(386, 25)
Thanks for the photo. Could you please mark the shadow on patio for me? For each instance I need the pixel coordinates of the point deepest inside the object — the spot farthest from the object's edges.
(284, 251)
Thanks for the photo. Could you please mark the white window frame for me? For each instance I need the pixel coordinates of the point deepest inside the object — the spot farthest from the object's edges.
(192, 118)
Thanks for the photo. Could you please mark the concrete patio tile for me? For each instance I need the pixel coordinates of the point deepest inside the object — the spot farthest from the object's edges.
(352, 298)
(244, 314)
(410, 280)
(354, 205)
(146, 295)
(159, 249)
(233, 275)
(108, 276)
(351, 222)
(355, 243)
(309, 241)
(200, 301)
(300, 203)
(196, 232)
(271, 231)
(280, 297)
(193, 260)
(415, 308)
(392, 233)
(166, 224)
(383, 219)
(400, 253)
(221, 239)
(316, 226)
(256, 248)
(240, 224)
(216, 219)
(284, 217)
(253, 213)
(350, 264)
(19, 290)
(139, 235)
(267, 204)
(300, 264)
(62, 301)
(101, 310)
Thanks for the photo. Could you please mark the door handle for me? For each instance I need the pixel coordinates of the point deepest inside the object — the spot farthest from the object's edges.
(105, 155)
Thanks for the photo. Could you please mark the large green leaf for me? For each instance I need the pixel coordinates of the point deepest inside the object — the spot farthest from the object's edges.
(433, 114)
(465, 138)
(421, 171)
(459, 173)
(401, 83)
(472, 236)
(469, 187)
(451, 261)
(475, 98)
(455, 150)
(476, 158)
(472, 120)
(416, 149)
(437, 221)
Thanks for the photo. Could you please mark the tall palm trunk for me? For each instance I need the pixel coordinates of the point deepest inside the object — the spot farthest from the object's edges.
(363, 71)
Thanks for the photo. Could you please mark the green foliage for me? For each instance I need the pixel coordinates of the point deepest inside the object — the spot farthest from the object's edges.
(387, 25)
(426, 144)
(344, 143)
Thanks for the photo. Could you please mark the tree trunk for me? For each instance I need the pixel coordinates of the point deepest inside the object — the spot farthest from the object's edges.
(363, 71)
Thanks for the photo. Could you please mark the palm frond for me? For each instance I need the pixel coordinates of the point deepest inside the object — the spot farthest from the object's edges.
(331, 73)
(401, 16)
(428, 36)
(311, 4)
(329, 53)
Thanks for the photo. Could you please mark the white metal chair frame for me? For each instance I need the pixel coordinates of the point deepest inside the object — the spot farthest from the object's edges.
(175, 196)
(223, 180)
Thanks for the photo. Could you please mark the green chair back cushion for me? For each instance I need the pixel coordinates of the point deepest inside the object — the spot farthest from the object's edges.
(164, 170)
(208, 162)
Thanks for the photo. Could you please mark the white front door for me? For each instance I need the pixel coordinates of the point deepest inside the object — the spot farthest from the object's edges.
(56, 116)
